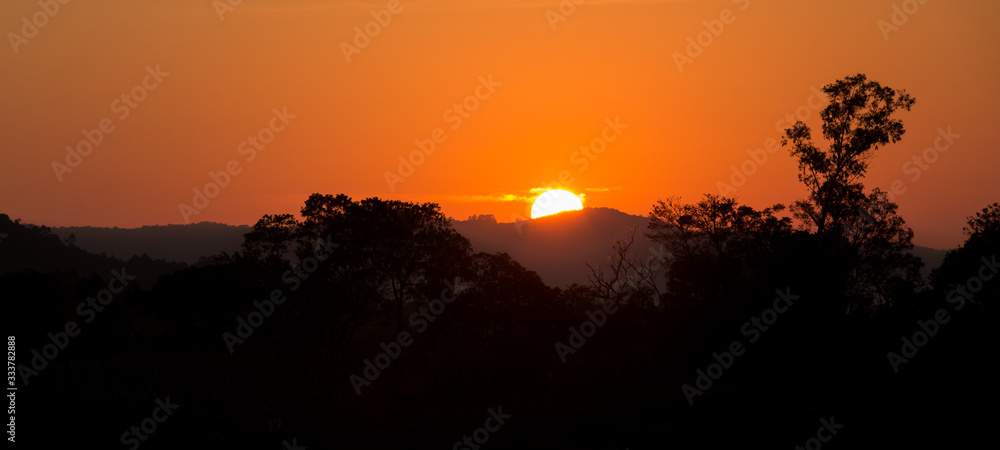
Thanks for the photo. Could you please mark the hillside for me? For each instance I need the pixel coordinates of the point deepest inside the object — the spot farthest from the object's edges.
(35, 249)
(182, 243)
(559, 247)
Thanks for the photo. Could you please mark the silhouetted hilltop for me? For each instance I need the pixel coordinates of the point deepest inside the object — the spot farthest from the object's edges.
(183, 243)
(33, 248)
(558, 247)
(931, 257)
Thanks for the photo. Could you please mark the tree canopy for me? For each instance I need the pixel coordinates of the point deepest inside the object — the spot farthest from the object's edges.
(859, 119)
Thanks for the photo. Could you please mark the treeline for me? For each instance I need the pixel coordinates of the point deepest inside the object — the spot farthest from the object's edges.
(603, 364)
(374, 324)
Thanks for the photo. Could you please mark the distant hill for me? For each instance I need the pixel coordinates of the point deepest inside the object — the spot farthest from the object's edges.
(31, 248)
(558, 247)
(932, 258)
(182, 243)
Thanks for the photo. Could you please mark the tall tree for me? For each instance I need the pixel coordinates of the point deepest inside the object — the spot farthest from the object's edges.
(857, 122)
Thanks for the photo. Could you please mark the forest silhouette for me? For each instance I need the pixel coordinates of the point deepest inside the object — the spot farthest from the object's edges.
(374, 323)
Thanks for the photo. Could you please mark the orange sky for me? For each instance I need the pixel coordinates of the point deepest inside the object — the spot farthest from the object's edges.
(554, 90)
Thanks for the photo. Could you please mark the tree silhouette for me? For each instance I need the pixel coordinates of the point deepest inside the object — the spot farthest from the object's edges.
(717, 245)
(271, 239)
(984, 227)
(404, 251)
(858, 120)
(864, 242)
(975, 258)
(499, 292)
(625, 279)
(881, 268)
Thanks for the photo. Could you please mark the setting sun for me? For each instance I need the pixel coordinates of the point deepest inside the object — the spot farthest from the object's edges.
(555, 201)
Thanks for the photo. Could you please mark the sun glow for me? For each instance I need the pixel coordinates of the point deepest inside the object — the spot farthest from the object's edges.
(555, 201)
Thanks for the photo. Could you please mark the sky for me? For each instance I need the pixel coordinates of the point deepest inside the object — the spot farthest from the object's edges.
(140, 112)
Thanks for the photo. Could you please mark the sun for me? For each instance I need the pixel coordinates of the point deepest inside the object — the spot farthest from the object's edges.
(555, 201)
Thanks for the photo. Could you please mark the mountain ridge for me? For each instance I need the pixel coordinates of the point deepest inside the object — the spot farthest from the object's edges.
(182, 243)
(557, 247)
